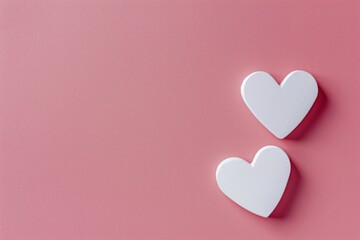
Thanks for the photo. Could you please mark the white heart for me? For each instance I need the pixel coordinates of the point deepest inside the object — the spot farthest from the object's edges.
(258, 186)
(280, 108)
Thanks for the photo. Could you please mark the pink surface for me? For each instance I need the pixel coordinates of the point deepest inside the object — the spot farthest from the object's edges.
(115, 114)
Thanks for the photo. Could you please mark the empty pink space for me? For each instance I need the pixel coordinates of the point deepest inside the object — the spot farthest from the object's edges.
(115, 114)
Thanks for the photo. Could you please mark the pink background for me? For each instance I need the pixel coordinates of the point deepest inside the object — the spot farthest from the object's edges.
(115, 114)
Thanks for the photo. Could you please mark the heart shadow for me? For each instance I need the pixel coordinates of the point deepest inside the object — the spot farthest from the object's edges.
(311, 119)
(284, 207)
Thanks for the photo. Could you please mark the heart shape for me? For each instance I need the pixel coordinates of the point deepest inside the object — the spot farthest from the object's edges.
(280, 108)
(258, 186)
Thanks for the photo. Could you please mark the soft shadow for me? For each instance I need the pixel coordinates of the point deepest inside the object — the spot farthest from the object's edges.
(285, 205)
(311, 119)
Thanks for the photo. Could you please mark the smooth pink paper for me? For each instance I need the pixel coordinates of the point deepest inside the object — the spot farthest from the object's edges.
(115, 114)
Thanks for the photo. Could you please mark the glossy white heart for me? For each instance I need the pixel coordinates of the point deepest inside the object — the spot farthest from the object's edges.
(280, 108)
(258, 186)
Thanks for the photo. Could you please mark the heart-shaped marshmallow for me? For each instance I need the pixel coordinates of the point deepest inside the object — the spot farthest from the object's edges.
(258, 186)
(280, 108)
